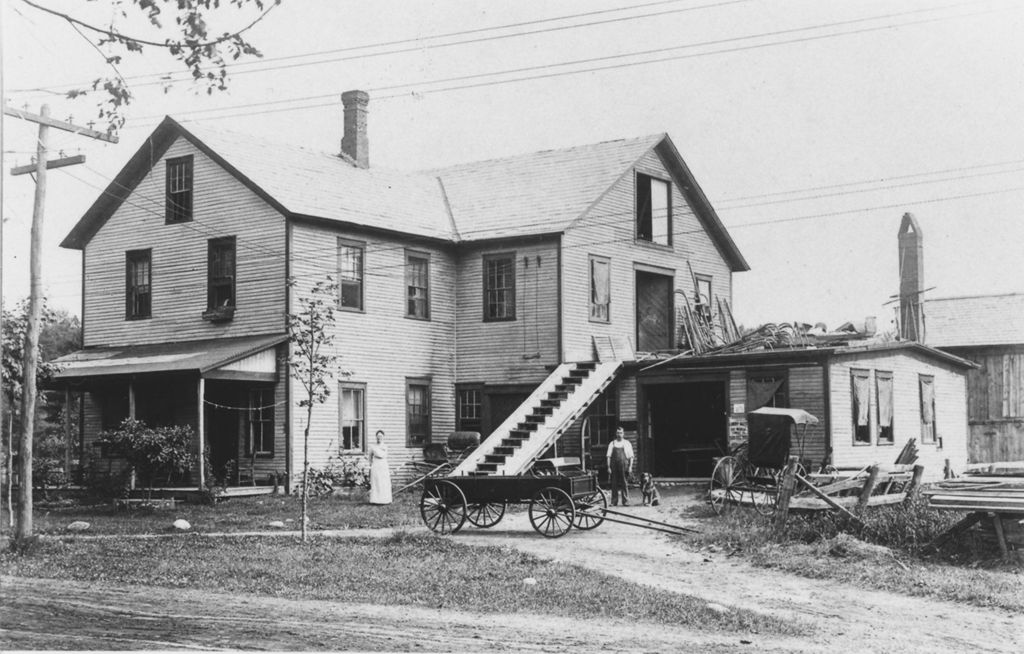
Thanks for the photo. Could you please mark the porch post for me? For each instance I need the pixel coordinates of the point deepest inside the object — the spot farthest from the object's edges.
(131, 399)
(67, 431)
(202, 433)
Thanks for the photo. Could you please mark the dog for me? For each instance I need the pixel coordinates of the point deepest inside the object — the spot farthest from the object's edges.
(649, 490)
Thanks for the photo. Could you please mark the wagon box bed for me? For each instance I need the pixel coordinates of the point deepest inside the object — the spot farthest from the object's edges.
(516, 488)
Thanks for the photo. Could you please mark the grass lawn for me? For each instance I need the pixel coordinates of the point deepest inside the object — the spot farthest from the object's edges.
(231, 515)
(416, 569)
(814, 548)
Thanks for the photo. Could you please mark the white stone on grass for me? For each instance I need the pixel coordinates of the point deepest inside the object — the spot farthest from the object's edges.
(717, 608)
(78, 525)
(275, 524)
(182, 525)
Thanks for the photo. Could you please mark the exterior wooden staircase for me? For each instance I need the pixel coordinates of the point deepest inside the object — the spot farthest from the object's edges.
(540, 420)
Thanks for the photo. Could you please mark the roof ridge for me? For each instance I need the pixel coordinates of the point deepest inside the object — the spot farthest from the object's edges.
(973, 296)
(531, 153)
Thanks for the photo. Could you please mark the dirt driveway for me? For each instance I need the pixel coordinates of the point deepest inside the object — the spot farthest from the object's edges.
(60, 614)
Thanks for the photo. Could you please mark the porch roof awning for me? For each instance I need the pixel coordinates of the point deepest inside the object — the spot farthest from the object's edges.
(209, 358)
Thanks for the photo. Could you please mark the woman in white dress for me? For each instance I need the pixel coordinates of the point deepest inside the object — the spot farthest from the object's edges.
(380, 475)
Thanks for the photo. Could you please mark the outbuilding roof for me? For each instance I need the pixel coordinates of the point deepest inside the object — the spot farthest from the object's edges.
(975, 320)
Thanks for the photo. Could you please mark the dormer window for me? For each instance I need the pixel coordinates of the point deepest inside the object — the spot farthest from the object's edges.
(653, 210)
(179, 190)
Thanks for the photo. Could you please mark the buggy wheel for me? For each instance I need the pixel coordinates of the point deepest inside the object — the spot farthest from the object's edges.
(485, 515)
(724, 490)
(765, 499)
(590, 509)
(552, 512)
(443, 507)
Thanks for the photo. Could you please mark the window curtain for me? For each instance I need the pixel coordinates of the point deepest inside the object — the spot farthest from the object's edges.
(927, 401)
(600, 287)
(761, 391)
(861, 393)
(884, 401)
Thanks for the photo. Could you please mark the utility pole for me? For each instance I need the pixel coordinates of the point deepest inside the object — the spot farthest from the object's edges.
(30, 357)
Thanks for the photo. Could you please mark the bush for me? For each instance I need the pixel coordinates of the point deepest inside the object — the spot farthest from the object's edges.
(346, 472)
(159, 453)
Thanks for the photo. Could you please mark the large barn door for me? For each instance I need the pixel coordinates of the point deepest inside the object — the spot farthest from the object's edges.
(653, 312)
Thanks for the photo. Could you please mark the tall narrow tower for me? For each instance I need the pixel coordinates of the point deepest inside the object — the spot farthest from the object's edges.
(911, 279)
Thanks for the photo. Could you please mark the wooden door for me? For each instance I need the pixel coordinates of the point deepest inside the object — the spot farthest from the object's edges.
(653, 312)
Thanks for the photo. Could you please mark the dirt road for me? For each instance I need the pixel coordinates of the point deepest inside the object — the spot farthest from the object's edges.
(58, 614)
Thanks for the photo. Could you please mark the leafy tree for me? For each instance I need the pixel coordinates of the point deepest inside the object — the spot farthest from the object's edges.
(193, 44)
(311, 360)
(61, 333)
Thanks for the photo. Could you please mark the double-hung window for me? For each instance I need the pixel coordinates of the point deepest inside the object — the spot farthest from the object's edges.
(350, 274)
(178, 198)
(469, 409)
(860, 392)
(926, 384)
(417, 411)
(884, 400)
(417, 283)
(138, 284)
(260, 423)
(220, 289)
(600, 289)
(653, 210)
(499, 286)
(353, 418)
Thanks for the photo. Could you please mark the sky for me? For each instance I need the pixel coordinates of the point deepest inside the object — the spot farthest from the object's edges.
(811, 125)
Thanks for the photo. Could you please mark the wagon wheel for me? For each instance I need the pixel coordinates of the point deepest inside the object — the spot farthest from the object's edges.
(443, 507)
(724, 490)
(485, 515)
(552, 512)
(590, 509)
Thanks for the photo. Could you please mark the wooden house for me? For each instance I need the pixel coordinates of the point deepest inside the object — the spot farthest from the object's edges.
(988, 330)
(471, 297)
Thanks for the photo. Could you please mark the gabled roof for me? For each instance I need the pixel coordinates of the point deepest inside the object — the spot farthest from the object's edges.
(525, 195)
(975, 320)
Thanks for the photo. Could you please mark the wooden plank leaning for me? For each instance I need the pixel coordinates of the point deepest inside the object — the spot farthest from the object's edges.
(828, 500)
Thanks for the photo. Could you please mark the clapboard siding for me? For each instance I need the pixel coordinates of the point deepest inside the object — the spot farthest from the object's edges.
(513, 351)
(379, 347)
(806, 391)
(222, 206)
(608, 230)
(950, 411)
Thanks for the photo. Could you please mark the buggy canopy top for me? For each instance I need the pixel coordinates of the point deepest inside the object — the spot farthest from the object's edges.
(799, 416)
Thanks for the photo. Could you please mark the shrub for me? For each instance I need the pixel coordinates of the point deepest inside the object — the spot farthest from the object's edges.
(159, 453)
(346, 472)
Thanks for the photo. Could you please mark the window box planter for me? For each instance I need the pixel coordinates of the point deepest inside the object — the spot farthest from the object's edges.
(219, 314)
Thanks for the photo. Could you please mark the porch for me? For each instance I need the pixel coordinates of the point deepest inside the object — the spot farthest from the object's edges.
(229, 392)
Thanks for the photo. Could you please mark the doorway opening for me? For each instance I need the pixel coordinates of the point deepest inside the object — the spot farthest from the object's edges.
(688, 424)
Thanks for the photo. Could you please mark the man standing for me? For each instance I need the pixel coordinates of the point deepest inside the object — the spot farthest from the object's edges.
(620, 460)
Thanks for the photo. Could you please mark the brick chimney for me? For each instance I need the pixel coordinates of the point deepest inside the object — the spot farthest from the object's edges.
(911, 279)
(355, 143)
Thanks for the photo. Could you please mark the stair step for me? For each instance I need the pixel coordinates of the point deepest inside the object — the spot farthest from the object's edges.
(587, 365)
(551, 402)
(505, 450)
(487, 467)
(535, 419)
(543, 411)
(526, 426)
(559, 396)
(520, 434)
(495, 458)
(572, 379)
(565, 388)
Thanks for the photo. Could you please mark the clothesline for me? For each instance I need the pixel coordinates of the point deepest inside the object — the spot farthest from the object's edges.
(244, 408)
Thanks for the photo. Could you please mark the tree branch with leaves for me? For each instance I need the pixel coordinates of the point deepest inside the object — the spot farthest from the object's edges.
(205, 55)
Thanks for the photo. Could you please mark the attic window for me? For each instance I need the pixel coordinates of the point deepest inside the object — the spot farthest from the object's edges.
(653, 210)
(179, 190)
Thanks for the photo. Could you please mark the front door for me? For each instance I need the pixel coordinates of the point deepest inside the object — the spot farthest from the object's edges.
(653, 312)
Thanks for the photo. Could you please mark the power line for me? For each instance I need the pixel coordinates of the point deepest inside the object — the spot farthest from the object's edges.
(542, 67)
(419, 41)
